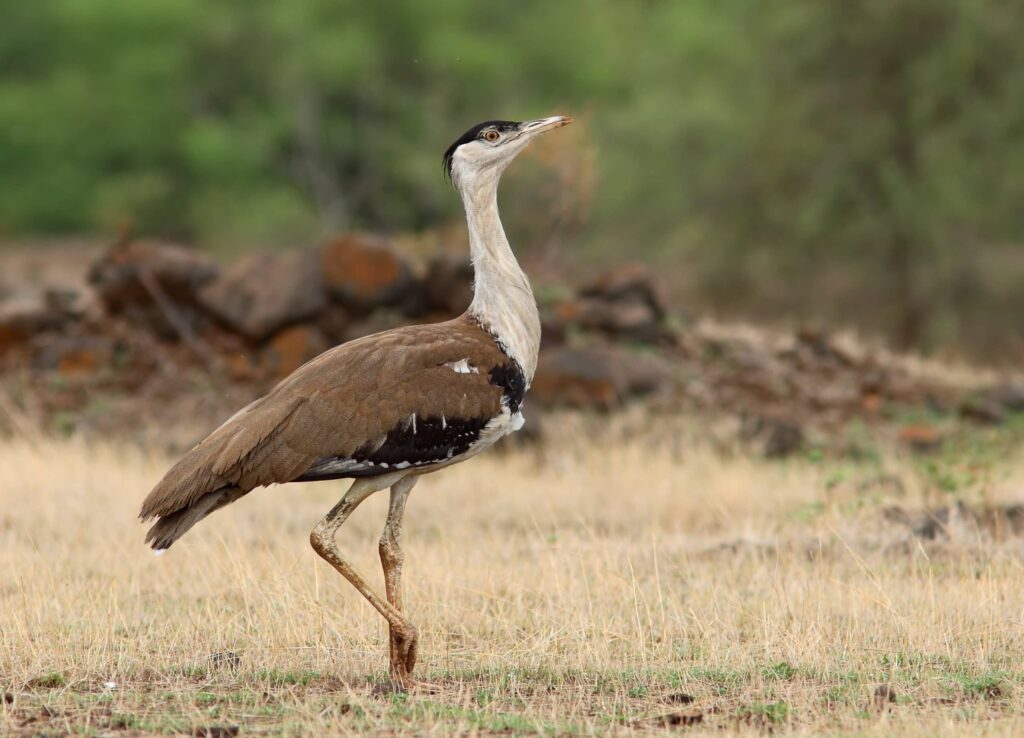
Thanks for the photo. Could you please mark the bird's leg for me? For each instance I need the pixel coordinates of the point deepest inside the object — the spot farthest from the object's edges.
(322, 540)
(403, 653)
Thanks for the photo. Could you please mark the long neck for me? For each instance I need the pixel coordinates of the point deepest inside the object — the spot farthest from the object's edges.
(502, 299)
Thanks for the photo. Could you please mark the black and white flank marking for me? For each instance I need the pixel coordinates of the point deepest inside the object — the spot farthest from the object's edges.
(422, 442)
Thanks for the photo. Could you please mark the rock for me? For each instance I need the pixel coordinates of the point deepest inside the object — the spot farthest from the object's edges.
(234, 353)
(644, 373)
(121, 275)
(623, 303)
(934, 523)
(449, 284)
(871, 403)
(554, 331)
(364, 272)
(835, 394)
(572, 377)
(631, 319)
(597, 377)
(982, 410)
(73, 356)
(243, 365)
(335, 322)
(779, 438)
(819, 345)
(921, 438)
(293, 347)
(959, 520)
(369, 326)
(262, 293)
(1010, 396)
(25, 316)
(758, 374)
(154, 286)
(629, 283)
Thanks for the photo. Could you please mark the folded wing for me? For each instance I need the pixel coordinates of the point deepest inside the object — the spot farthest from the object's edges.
(400, 399)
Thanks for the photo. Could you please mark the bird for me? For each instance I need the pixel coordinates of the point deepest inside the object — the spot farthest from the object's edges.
(385, 409)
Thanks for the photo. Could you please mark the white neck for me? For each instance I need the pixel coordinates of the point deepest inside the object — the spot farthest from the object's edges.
(502, 299)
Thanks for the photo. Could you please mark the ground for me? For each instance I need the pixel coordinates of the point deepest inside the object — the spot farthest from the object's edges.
(642, 582)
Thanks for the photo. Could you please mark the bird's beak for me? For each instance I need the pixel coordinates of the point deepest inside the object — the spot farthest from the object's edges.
(534, 127)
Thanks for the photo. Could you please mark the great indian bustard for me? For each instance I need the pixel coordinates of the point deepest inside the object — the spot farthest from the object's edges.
(387, 408)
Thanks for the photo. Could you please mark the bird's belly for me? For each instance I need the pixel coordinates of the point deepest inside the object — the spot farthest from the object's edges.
(499, 427)
(418, 449)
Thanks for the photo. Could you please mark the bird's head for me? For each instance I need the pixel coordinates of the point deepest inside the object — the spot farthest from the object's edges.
(482, 153)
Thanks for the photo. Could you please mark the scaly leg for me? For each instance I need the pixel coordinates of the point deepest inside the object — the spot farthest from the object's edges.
(322, 539)
(403, 656)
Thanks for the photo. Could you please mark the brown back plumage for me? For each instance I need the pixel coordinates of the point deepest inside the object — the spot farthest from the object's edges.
(342, 401)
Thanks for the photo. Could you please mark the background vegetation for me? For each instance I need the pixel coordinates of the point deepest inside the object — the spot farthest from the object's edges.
(857, 161)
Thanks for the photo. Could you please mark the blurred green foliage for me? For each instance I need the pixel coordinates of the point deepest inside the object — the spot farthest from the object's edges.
(856, 161)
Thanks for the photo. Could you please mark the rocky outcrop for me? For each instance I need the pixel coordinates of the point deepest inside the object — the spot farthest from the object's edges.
(262, 293)
(162, 321)
(364, 272)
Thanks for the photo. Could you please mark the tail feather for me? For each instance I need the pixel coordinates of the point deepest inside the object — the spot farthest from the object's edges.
(244, 453)
(169, 528)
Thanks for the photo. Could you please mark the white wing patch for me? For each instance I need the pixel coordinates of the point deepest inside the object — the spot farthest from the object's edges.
(462, 366)
(340, 466)
(500, 425)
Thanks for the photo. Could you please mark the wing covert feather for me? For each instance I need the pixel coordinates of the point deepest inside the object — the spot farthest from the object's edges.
(339, 402)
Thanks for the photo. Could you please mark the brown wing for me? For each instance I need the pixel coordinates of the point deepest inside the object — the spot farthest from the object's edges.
(346, 402)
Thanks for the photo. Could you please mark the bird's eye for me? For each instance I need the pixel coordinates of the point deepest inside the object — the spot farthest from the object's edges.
(491, 135)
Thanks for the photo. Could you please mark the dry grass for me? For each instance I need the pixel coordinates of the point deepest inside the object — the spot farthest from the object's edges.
(585, 594)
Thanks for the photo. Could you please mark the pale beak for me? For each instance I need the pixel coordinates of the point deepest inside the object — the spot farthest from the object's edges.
(533, 127)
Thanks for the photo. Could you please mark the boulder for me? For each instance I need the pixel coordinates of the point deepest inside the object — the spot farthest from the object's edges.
(153, 286)
(24, 316)
(1009, 396)
(596, 377)
(449, 284)
(335, 321)
(74, 356)
(293, 347)
(237, 355)
(553, 329)
(778, 437)
(815, 348)
(262, 293)
(125, 274)
(629, 283)
(921, 438)
(363, 272)
(627, 319)
(376, 323)
(982, 410)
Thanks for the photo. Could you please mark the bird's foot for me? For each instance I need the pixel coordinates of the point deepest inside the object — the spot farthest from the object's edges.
(396, 684)
(408, 685)
(402, 651)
